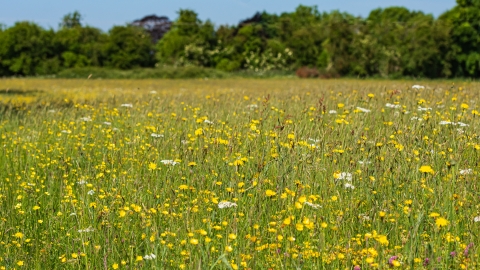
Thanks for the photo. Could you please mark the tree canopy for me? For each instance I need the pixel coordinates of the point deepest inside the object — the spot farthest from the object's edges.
(389, 42)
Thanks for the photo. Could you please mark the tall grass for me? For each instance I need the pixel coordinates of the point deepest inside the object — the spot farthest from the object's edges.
(268, 174)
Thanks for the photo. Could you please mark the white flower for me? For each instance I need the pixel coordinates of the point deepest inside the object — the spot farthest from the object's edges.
(91, 192)
(462, 124)
(107, 123)
(349, 186)
(153, 92)
(363, 110)
(424, 109)
(344, 176)
(364, 162)
(316, 206)
(460, 131)
(226, 204)
(73, 214)
(86, 119)
(466, 171)
(155, 135)
(476, 219)
(127, 105)
(416, 86)
(66, 131)
(416, 118)
(184, 142)
(446, 123)
(332, 112)
(169, 162)
(89, 229)
(252, 106)
(150, 256)
(393, 106)
(51, 111)
(314, 140)
(208, 122)
(82, 182)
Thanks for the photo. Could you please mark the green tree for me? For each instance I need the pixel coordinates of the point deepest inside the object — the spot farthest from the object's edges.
(465, 37)
(128, 47)
(81, 46)
(189, 42)
(27, 49)
(71, 20)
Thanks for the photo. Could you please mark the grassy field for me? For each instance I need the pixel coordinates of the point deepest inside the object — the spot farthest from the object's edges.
(239, 174)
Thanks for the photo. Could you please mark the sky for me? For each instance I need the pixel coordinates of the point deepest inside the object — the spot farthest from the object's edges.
(106, 13)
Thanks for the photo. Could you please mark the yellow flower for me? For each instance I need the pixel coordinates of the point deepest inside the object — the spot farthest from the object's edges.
(434, 215)
(152, 166)
(426, 169)
(183, 187)
(194, 241)
(464, 106)
(228, 249)
(340, 105)
(371, 95)
(115, 266)
(441, 222)
(299, 227)
(199, 131)
(18, 235)
(122, 213)
(270, 193)
(191, 164)
(232, 236)
(36, 207)
(20, 263)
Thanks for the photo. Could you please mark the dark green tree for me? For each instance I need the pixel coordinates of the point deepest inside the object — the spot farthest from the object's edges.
(27, 49)
(465, 37)
(71, 20)
(128, 47)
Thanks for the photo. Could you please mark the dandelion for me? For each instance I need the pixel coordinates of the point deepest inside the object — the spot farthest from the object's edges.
(441, 222)
(426, 169)
(152, 166)
(270, 193)
(226, 204)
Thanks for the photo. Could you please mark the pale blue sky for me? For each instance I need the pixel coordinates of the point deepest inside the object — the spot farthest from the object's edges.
(106, 13)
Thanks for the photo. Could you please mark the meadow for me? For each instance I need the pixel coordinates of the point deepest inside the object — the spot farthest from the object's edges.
(239, 174)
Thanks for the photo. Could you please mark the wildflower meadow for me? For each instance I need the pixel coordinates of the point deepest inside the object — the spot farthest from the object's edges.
(239, 174)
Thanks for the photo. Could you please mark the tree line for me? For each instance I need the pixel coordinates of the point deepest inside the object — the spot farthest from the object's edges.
(391, 42)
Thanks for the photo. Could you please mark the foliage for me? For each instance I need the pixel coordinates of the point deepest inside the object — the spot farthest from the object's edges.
(392, 42)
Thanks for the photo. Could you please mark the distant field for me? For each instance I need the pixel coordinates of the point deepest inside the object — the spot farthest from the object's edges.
(239, 174)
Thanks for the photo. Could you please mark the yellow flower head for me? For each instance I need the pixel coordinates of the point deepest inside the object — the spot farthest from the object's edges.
(426, 169)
